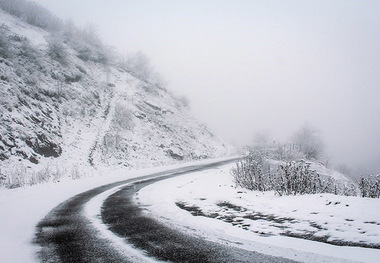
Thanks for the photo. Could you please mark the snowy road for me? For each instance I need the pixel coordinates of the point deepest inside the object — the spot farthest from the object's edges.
(67, 234)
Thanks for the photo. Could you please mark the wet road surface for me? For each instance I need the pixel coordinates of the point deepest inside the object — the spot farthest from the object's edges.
(66, 235)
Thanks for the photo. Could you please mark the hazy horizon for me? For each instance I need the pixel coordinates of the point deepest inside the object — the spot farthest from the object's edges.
(259, 66)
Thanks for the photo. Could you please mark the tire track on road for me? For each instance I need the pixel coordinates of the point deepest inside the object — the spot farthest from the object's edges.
(67, 235)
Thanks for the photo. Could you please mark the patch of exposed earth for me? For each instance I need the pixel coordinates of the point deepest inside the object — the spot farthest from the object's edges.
(271, 224)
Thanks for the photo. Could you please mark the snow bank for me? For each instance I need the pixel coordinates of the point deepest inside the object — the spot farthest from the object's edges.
(253, 220)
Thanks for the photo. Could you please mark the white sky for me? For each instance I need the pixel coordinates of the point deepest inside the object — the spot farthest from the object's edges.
(253, 66)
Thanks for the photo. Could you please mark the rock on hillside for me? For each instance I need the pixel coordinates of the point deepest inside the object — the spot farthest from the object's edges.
(62, 111)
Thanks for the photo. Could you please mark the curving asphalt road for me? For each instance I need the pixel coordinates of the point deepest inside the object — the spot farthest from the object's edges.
(66, 235)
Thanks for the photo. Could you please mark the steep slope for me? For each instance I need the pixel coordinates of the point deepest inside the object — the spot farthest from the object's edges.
(63, 113)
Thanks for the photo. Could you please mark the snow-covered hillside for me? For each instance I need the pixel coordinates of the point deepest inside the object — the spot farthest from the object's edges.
(70, 115)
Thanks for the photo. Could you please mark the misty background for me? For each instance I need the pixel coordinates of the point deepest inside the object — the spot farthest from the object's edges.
(252, 67)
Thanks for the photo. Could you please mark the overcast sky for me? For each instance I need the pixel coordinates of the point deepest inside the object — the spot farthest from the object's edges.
(253, 66)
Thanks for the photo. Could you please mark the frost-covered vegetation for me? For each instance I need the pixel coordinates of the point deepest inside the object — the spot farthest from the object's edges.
(292, 168)
(81, 39)
(71, 103)
(19, 176)
(256, 172)
(370, 186)
(85, 41)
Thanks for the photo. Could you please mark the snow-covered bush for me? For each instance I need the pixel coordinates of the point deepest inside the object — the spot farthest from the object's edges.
(60, 83)
(285, 152)
(89, 35)
(13, 7)
(252, 172)
(84, 52)
(87, 52)
(5, 45)
(56, 49)
(75, 173)
(14, 176)
(110, 144)
(123, 118)
(19, 175)
(294, 178)
(103, 55)
(37, 15)
(29, 52)
(42, 176)
(32, 13)
(86, 42)
(370, 186)
(138, 64)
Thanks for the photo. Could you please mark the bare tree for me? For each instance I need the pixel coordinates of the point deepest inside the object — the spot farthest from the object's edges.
(139, 65)
(57, 50)
(70, 30)
(89, 34)
(309, 142)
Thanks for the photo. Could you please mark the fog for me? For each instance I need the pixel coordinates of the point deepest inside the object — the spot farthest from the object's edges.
(259, 66)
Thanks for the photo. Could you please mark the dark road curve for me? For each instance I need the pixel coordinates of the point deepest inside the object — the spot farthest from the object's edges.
(66, 235)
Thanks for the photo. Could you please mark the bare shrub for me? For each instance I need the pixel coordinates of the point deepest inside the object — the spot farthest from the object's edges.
(297, 178)
(290, 178)
(110, 144)
(285, 152)
(5, 44)
(138, 64)
(123, 117)
(60, 83)
(88, 44)
(15, 176)
(103, 55)
(75, 173)
(89, 34)
(28, 51)
(56, 49)
(85, 52)
(3, 178)
(42, 176)
(251, 172)
(47, 174)
(19, 176)
(369, 186)
(32, 13)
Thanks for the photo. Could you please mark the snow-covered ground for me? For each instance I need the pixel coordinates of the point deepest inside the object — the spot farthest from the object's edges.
(22, 208)
(207, 204)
